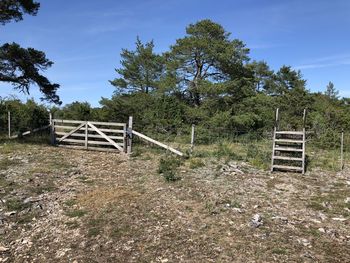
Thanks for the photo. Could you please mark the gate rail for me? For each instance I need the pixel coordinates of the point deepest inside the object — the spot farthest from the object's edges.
(102, 136)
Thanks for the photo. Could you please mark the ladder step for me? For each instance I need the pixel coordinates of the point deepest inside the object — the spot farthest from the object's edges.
(288, 141)
(284, 167)
(287, 158)
(290, 132)
(287, 149)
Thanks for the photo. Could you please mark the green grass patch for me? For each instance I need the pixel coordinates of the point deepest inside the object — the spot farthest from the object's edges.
(15, 204)
(195, 163)
(72, 224)
(168, 167)
(6, 163)
(76, 213)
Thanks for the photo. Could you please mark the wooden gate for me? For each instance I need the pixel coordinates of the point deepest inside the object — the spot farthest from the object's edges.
(101, 136)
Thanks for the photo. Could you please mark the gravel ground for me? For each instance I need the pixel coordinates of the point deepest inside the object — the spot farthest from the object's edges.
(60, 205)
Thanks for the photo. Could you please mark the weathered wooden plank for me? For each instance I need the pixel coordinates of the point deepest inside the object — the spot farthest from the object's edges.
(67, 121)
(105, 137)
(129, 141)
(284, 167)
(288, 141)
(60, 121)
(73, 141)
(32, 131)
(287, 149)
(91, 142)
(108, 123)
(289, 132)
(90, 135)
(287, 158)
(157, 143)
(71, 132)
(90, 129)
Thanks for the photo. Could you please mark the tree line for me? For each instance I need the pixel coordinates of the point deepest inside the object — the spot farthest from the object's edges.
(205, 78)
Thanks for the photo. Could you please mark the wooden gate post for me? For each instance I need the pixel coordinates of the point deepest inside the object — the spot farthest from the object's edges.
(86, 135)
(192, 138)
(342, 151)
(129, 133)
(52, 130)
(9, 123)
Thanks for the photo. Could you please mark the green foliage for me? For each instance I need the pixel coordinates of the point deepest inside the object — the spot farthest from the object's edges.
(168, 167)
(76, 111)
(24, 116)
(196, 163)
(331, 92)
(14, 9)
(225, 149)
(141, 69)
(21, 66)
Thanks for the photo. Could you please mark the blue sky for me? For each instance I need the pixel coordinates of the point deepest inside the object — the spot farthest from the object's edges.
(84, 38)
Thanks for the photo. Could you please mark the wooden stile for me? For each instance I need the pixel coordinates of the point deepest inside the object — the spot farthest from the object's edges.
(288, 142)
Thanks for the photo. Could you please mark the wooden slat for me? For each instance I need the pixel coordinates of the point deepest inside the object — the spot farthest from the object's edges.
(289, 132)
(108, 123)
(67, 121)
(284, 167)
(71, 132)
(90, 129)
(91, 142)
(157, 143)
(287, 158)
(73, 140)
(32, 131)
(91, 135)
(287, 149)
(105, 136)
(288, 141)
(93, 122)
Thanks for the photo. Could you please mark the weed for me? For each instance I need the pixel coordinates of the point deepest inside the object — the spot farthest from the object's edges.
(196, 163)
(72, 224)
(168, 167)
(279, 251)
(76, 213)
(94, 231)
(224, 149)
(15, 205)
(7, 163)
(70, 202)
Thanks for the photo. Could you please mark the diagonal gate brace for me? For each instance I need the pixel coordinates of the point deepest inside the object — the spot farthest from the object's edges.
(105, 136)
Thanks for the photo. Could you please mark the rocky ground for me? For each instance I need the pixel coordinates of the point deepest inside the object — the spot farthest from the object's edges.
(60, 205)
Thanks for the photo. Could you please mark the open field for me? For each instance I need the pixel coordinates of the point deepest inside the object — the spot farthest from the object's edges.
(60, 205)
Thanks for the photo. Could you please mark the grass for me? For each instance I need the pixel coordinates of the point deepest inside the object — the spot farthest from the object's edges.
(168, 167)
(76, 213)
(195, 163)
(15, 204)
(6, 163)
(70, 202)
(72, 224)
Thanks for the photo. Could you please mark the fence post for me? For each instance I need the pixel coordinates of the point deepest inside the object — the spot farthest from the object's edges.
(342, 151)
(192, 138)
(86, 135)
(9, 123)
(52, 129)
(129, 147)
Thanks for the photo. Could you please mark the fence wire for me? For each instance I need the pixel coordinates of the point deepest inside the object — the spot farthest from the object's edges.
(323, 148)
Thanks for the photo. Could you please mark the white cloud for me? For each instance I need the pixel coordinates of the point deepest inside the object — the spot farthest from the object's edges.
(325, 62)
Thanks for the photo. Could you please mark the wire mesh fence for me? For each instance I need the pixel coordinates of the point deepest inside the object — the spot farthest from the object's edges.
(323, 147)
